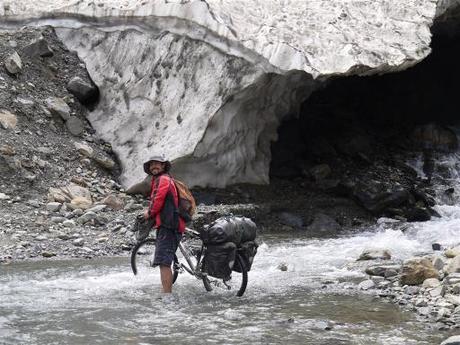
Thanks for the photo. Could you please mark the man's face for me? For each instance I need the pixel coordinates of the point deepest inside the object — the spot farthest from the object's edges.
(156, 167)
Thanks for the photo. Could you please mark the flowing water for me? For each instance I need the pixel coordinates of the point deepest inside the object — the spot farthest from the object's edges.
(101, 302)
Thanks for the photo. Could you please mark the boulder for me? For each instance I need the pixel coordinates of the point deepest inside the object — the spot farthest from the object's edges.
(291, 219)
(325, 224)
(8, 120)
(104, 162)
(415, 271)
(57, 106)
(81, 203)
(373, 254)
(452, 252)
(382, 270)
(68, 193)
(85, 91)
(113, 202)
(75, 126)
(453, 266)
(431, 283)
(143, 187)
(84, 149)
(38, 48)
(366, 285)
(13, 63)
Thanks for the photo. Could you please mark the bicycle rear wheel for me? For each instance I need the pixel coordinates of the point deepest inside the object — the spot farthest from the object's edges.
(142, 259)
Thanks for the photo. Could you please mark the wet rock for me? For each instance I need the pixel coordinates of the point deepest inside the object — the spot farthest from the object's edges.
(416, 270)
(75, 126)
(381, 270)
(8, 120)
(417, 214)
(48, 254)
(373, 254)
(376, 201)
(453, 266)
(38, 47)
(57, 106)
(283, 267)
(436, 246)
(84, 91)
(13, 63)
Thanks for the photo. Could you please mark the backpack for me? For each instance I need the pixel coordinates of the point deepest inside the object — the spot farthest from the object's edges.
(187, 204)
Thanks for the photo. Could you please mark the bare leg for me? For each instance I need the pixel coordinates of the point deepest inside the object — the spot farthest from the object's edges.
(166, 278)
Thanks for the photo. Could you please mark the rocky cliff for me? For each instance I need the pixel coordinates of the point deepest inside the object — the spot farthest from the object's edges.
(208, 82)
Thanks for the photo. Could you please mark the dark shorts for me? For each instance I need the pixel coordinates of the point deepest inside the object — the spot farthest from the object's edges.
(166, 246)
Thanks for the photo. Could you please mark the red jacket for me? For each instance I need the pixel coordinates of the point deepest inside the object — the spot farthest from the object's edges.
(160, 187)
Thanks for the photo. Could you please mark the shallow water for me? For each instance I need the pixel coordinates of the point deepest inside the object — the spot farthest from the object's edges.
(100, 302)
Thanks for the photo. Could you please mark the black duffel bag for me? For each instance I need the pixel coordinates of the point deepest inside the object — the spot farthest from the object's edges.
(247, 252)
(219, 260)
(229, 229)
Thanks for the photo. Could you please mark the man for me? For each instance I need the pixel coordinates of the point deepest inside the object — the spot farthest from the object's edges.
(163, 209)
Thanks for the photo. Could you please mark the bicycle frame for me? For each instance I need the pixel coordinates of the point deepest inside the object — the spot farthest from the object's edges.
(192, 269)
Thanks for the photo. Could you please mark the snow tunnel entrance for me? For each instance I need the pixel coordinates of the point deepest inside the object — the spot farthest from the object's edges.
(355, 120)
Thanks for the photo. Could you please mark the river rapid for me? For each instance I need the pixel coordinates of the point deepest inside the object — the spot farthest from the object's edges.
(313, 300)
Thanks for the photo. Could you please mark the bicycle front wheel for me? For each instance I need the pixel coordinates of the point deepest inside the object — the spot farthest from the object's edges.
(142, 259)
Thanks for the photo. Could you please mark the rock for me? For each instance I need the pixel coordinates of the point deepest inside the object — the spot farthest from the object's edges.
(81, 203)
(104, 162)
(7, 150)
(436, 246)
(424, 311)
(48, 254)
(452, 252)
(84, 149)
(417, 214)
(437, 291)
(376, 201)
(8, 120)
(58, 107)
(290, 219)
(142, 187)
(69, 192)
(75, 126)
(381, 270)
(431, 283)
(58, 220)
(13, 63)
(63, 236)
(373, 254)
(78, 242)
(113, 202)
(53, 206)
(86, 217)
(455, 300)
(453, 266)
(38, 47)
(97, 208)
(283, 267)
(416, 270)
(324, 224)
(456, 289)
(84, 91)
(452, 279)
(366, 285)
(69, 223)
(320, 172)
(3, 196)
(455, 340)
(438, 263)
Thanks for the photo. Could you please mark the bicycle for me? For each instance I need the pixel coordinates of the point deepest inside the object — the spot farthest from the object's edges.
(193, 251)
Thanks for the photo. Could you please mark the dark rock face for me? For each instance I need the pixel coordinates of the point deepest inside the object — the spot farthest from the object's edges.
(435, 137)
(38, 48)
(86, 92)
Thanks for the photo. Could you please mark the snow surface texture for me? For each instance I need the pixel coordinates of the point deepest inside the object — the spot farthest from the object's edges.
(208, 82)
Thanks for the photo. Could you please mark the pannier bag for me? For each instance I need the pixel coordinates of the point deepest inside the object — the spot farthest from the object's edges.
(219, 260)
(141, 227)
(229, 229)
(247, 252)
